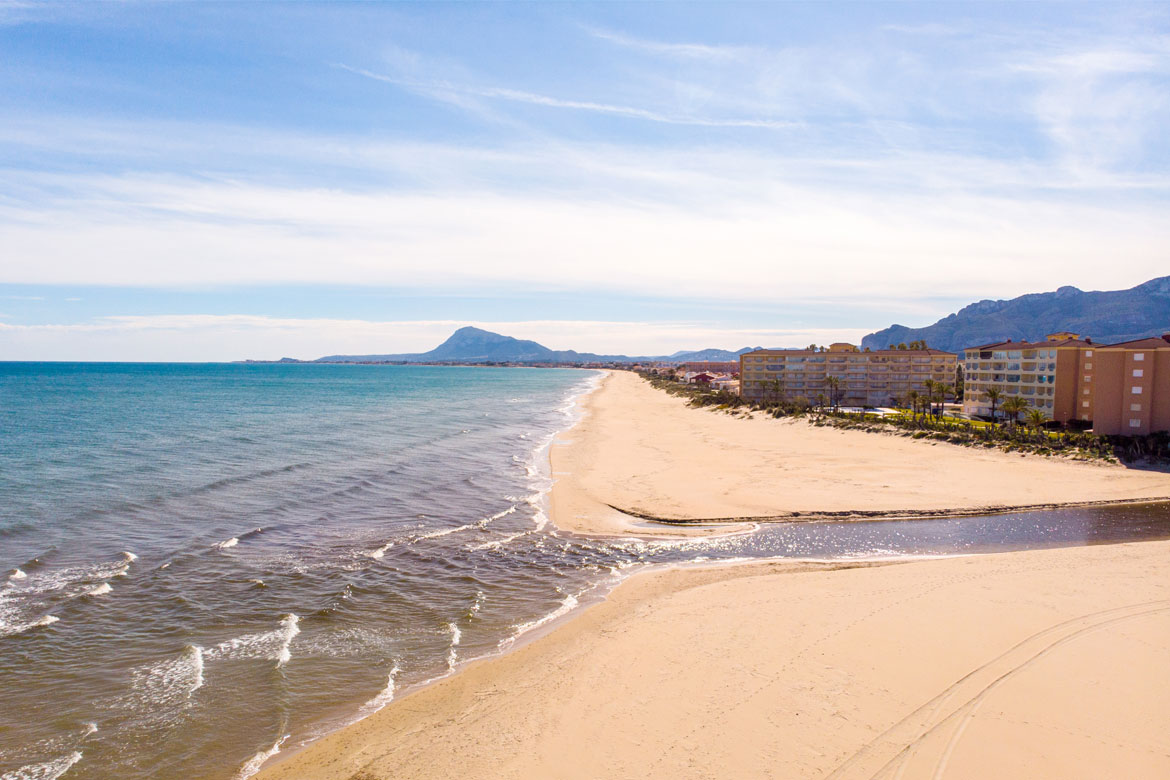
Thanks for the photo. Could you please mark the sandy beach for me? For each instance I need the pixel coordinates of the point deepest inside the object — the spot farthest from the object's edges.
(642, 450)
(1039, 664)
(1035, 664)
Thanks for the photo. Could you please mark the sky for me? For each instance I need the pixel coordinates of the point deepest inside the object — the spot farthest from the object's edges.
(223, 181)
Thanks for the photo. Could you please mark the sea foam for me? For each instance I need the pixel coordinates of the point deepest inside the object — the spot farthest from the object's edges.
(384, 696)
(49, 770)
(378, 553)
(456, 636)
(569, 603)
(253, 764)
(274, 644)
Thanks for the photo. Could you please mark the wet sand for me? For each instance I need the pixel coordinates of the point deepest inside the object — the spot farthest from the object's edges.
(646, 452)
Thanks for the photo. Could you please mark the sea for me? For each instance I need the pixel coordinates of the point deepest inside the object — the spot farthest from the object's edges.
(205, 565)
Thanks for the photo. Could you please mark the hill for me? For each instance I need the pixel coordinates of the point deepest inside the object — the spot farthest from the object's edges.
(1106, 317)
(475, 345)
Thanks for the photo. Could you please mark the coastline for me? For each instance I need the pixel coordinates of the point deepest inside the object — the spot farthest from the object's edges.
(640, 462)
(1043, 663)
(622, 671)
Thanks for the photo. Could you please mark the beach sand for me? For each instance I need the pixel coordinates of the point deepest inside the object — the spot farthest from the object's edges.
(642, 450)
(1036, 664)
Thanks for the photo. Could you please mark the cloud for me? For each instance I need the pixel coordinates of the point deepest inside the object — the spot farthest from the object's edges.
(674, 224)
(202, 337)
(446, 91)
(685, 51)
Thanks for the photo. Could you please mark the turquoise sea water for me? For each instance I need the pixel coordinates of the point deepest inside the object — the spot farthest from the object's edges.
(201, 565)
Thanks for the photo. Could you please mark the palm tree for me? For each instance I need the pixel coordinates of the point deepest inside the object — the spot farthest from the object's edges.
(1012, 407)
(834, 384)
(993, 395)
(943, 391)
(913, 397)
(1035, 419)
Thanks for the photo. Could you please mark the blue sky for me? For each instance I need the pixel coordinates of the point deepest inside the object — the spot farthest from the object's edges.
(219, 181)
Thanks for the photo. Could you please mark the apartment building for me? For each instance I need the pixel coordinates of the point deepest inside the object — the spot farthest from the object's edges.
(1034, 371)
(873, 378)
(1125, 388)
(1119, 389)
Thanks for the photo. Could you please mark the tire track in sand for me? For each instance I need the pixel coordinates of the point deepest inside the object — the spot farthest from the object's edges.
(895, 747)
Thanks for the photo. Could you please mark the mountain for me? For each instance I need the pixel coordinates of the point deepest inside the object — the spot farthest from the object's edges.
(475, 345)
(1106, 317)
(709, 355)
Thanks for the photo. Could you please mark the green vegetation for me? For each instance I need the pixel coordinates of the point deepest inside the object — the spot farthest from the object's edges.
(921, 419)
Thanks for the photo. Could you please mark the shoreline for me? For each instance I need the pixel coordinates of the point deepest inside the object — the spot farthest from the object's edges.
(338, 754)
(831, 677)
(641, 463)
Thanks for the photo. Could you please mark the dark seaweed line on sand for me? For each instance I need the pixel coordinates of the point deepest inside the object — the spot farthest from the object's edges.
(846, 515)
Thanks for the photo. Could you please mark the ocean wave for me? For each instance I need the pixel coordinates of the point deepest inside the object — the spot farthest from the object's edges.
(275, 644)
(245, 478)
(456, 636)
(568, 604)
(11, 629)
(100, 590)
(384, 696)
(497, 516)
(498, 543)
(447, 531)
(49, 770)
(253, 764)
(161, 688)
(17, 574)
(228, 543)
(379, 552)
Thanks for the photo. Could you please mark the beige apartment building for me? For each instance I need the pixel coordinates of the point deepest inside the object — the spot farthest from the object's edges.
(1119, 389)
(1030, 370)
(872, 378)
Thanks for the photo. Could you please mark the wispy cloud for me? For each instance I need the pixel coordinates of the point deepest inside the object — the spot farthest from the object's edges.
(686, 51)
(444, 90)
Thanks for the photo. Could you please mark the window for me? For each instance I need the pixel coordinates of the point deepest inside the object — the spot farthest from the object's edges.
(1088, 353)
(1135, 390)
(1135, 407)
(1137, 372)
(1138, 357)
(1135, 423)
(1088, 366)
(1086, 391)
(1085, 404)
(1088, 378)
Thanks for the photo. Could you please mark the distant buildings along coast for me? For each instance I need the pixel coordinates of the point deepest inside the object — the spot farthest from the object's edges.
(870, 378)
(1119, 389)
